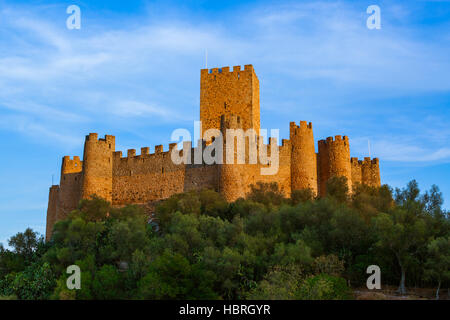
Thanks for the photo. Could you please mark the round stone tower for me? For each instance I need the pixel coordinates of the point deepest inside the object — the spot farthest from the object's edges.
(231, 175)
(334, 161)
(97, 166)
(303, 157)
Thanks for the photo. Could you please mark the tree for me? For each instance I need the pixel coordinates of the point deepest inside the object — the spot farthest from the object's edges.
(301, 196)
(171, 276)
(93, 209)
(368, 200)
(330, 265)
(438, 261)
(280, 283)
(401, 232)
(36, 282)
(26, 243)
(127, 236)
(337, 188)
(298, 253)
(266, 193)
(324, 287)
(107, 283)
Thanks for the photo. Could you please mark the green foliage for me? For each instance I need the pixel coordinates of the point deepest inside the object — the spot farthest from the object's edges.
(438, 261)
(301, 196)
(96, 209)
(290, 253)
(107, 283)
(268, 194)
(34, 283)
(26, 244)
(368, 201)
(329, 265)
(324, 287)
(171, 276)
(337, 188)
(198, 246)
(280, 283)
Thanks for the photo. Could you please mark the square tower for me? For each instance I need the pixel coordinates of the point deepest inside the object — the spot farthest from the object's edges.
(225, 92)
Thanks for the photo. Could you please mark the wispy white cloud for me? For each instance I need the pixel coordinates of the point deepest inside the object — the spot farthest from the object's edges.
(131, 108)
(39, 131)
(145, 69)
(389, 150)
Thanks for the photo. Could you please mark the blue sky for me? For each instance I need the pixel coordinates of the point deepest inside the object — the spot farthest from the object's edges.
(133, 71)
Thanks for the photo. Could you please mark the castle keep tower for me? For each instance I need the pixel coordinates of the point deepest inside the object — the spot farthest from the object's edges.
(98, 164)
(225, 92)
(303, 157)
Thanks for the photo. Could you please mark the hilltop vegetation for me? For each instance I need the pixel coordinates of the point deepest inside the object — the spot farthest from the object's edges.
(266, 246)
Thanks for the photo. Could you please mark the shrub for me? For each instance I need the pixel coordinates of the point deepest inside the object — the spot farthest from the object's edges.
(324, 287)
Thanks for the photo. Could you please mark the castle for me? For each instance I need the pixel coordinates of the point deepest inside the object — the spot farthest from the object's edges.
(228, 100)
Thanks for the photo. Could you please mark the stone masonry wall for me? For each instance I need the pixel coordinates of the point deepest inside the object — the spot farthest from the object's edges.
(52, 211)
(146, 177)
(70, 186)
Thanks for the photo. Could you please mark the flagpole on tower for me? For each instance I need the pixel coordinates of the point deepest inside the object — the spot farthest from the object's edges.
(206, 59)
(368, 143)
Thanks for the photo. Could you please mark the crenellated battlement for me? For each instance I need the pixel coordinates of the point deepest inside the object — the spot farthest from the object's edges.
(294, 128)
(226, 70)
(230, 121)
(334, 140)
(93, 137)
(145, 152)
(367, 161)
(375, 161)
